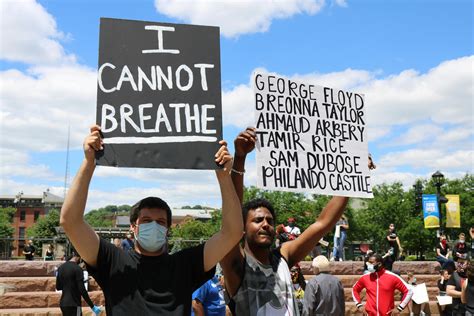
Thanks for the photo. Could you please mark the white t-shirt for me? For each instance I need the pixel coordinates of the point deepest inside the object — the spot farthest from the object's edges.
(293, 230)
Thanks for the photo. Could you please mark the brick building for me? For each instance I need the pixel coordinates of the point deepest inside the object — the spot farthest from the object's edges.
(29, 208)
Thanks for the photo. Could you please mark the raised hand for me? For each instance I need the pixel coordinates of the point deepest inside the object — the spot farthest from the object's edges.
(93, 143)
(371, 164)
(223, 157)
(244, 143)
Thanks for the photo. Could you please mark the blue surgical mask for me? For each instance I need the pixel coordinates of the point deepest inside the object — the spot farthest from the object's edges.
(151, 236)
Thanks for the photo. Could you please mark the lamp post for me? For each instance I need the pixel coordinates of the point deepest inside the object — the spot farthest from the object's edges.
(438, 178)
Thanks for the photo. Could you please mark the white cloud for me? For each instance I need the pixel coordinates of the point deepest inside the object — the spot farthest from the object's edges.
(430, 158)
(28, 33)
(444, 95)
(238, 16)
(417, 134)
(15, 163)
(38, 106)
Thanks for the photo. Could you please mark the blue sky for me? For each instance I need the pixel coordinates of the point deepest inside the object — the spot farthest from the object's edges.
(412, 60)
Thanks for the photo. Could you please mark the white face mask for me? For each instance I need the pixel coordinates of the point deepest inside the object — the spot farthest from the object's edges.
(370, 267)
(461, 241)
(151, 236)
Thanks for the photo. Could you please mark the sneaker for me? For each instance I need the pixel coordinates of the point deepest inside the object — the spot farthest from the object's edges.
(332, 259)
(412, 314)
(422, 313)
(340, 259)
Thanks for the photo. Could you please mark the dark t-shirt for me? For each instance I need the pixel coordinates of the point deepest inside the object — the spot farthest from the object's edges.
(70, 280)
(457, 281)
(443, 251)
(342, 222)
(470, 297)
(31, 249)
(442, 286)
(460, 248)
(392, 239)
(127, 244)
(134, 284)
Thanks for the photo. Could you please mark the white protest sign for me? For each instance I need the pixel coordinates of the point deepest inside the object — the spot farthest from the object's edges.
(444, 300)
(420, 294)
(310, 138)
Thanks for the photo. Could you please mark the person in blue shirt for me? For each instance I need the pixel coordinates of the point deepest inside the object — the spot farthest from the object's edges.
(128, 244)
(208, 300)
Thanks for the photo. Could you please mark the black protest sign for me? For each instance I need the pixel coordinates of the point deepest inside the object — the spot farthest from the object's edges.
(159, 94)
(310, 138)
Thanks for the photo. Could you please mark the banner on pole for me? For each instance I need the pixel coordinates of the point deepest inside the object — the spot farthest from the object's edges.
(430, 210)
(453, 211)
(310, 138)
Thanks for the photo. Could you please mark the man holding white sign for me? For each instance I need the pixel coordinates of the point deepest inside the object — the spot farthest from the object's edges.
(147, 280)
(257, 278)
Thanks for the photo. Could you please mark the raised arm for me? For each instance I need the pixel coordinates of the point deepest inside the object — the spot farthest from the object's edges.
(464, 292)
(451, 291)
(295, 250)
(244, 143)
(81, 235)
(232, 226)
(232, 263)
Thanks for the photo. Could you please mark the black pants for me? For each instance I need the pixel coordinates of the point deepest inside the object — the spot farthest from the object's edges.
(71, 310)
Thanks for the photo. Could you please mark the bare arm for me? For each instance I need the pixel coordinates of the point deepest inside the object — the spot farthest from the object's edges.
(82, 236)
(232, 226)
(244, 143)
(398, 243)
(232, 264)
(464, 292)
(295, 250)
(198, 308)
(451, 291)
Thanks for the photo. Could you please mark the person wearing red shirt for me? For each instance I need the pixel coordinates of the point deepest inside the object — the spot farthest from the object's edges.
(380, 285)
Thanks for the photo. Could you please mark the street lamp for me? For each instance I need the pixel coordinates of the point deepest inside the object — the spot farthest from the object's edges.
(438, 178)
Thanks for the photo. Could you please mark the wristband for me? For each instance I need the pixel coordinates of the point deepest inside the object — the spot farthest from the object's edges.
(400, 308)
(238, 172)
(359, 305)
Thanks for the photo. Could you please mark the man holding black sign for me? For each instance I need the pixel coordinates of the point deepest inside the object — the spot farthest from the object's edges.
(147, 280)
(258, 278)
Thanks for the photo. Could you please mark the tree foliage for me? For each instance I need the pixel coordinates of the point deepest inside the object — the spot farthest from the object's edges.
(6, 220)
(45, 227)
(103, 217)
(391, 204)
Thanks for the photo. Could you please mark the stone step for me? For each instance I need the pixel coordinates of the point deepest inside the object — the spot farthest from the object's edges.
(49, 311)
(41, 299)
(28, 268)
(36, 284)
(46, 268)
(347, 281)
(431, 308)
(357, 267)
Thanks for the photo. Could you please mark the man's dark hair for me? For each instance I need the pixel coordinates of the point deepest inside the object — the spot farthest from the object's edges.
(470, 271)
(253, 205)
(378, 258)
(150, 202)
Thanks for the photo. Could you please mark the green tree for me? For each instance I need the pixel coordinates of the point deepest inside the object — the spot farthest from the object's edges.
(389, 205)
(45, 227)
(6, 220)
(104, 216)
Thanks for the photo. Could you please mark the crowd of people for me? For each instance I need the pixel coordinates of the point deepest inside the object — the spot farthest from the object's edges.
(138, 276)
